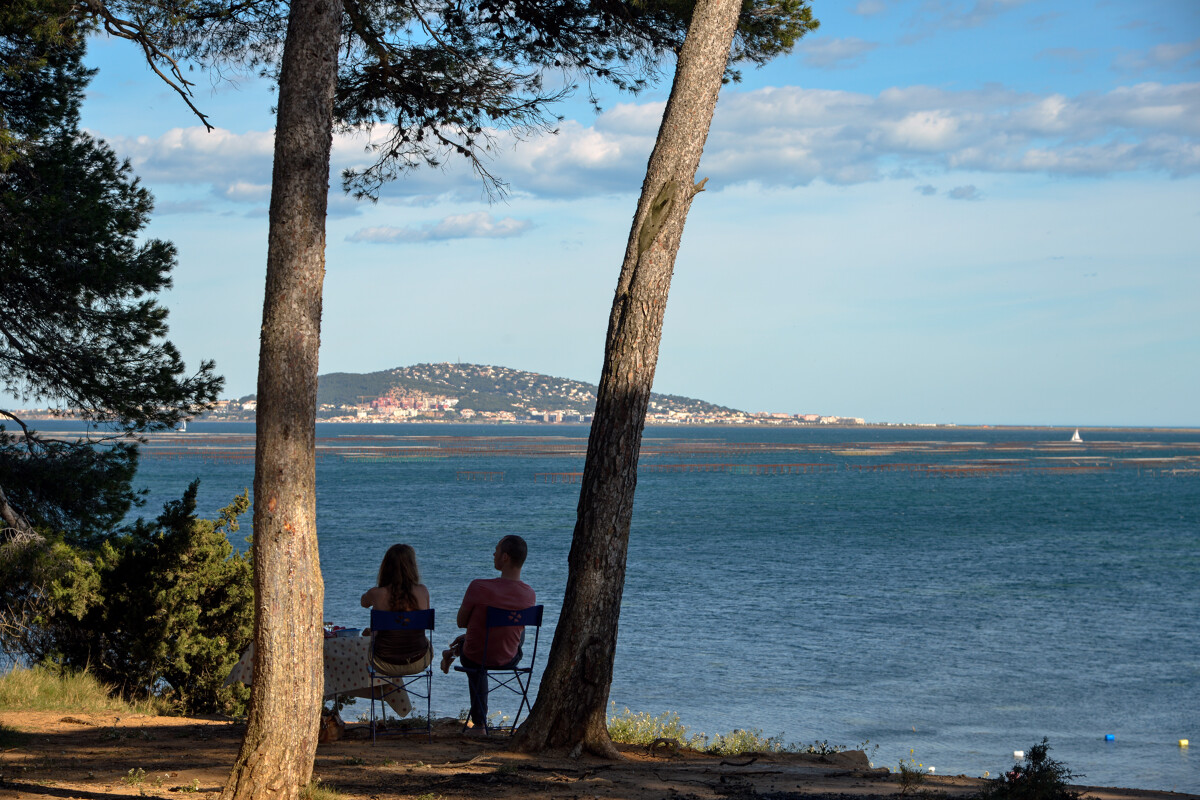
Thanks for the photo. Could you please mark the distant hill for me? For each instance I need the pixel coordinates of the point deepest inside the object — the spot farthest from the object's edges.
(482, 388)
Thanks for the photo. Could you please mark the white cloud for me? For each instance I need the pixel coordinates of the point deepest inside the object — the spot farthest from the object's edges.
(835, 53)
(478, 225)
(193, 155)
(968, 192)
(786, 136)
(245, 192)
(955, 14)
(927, 189)
(869, 8)
(1171, 56)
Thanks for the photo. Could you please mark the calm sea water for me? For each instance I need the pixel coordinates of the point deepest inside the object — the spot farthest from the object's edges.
(959, 618)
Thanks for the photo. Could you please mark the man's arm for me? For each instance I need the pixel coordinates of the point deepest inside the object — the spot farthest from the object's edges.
(468, 604)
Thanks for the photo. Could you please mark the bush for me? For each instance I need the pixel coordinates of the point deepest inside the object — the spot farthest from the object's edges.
(158, 608)
(1039, 778)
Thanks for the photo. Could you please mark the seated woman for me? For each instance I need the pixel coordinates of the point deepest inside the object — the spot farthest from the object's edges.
(399, 589)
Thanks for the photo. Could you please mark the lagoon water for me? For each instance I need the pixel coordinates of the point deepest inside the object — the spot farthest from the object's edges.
(957, 615)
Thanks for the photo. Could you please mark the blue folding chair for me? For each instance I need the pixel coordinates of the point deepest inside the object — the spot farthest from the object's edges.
(401, 621)
(515, 678)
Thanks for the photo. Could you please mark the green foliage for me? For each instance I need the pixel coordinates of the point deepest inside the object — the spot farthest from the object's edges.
(1040, 777)
(30, 30)
(78, 322)
(79, 325)
(169, 601)
(80, 490)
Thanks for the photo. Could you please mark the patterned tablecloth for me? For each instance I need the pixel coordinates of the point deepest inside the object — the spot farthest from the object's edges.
(345, 672)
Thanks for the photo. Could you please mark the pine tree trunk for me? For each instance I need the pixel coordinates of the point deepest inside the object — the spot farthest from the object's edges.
(571, 707)
(277, 752)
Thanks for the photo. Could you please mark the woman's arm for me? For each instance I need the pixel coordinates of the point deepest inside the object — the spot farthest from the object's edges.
(376, 598)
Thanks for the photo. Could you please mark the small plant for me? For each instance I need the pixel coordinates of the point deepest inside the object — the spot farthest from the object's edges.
(135, 777)
(1040, 777)
(192, 787)
(737, 742)
(415, 721)
(318, 791)
(355, 761)
(643, 729)
(912, 775)
(821, 748)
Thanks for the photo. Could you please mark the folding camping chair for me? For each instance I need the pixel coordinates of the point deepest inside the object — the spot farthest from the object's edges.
(401, 621)
(514, 678)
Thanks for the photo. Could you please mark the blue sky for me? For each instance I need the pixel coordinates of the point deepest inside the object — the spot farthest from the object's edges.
(975, 212)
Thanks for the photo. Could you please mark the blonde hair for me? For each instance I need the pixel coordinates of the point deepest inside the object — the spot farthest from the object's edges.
(399, 573)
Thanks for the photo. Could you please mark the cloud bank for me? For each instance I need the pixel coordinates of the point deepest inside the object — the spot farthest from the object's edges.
(478, 225)
(784, 137)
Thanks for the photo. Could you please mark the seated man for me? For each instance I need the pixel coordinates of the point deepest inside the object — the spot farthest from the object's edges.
(504, 644)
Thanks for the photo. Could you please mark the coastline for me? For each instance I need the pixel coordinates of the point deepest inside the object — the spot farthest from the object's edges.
(791, 426)
(96, 755)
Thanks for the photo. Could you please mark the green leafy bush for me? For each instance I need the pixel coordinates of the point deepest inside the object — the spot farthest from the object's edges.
(1040, 777)
(157, 608)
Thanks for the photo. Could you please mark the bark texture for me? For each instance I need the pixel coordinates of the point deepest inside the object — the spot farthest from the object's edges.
(277, 752)
(571, 707)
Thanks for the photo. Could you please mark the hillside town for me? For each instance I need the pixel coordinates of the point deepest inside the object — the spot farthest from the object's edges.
(477, 393)
(422, 407)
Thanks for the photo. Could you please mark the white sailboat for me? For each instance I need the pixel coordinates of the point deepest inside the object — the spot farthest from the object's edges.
(1075, 437)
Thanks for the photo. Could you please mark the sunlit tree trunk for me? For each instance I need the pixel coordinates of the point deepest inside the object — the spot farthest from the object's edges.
(571, 707)
(281, 734)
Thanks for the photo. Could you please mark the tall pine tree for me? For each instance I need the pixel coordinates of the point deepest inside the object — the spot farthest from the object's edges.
(80, 328)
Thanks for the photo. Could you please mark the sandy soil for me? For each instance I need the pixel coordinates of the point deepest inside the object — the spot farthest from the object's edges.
(87, 756)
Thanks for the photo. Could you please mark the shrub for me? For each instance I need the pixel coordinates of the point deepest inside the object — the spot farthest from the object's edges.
(158, 608)
(1038, 778)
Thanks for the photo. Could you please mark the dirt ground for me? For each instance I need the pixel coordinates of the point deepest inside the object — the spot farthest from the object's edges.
(56, 755)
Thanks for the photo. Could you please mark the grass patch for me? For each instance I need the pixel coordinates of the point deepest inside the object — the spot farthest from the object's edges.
(48, 689)
(640, 728)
